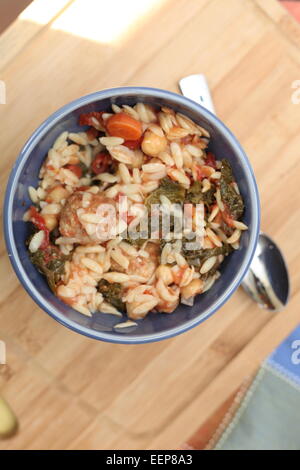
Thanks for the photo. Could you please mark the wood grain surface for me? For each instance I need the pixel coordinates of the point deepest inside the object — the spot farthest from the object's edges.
(71, 392)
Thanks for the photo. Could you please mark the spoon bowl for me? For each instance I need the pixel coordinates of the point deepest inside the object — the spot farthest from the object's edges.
(267, 280)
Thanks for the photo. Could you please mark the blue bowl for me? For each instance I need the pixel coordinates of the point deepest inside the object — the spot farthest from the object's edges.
(156, 326)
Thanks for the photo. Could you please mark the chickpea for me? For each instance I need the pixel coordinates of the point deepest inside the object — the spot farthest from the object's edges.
(57, 194)
(153, 144)
(164, 273)
(193, 288)
(50, 221)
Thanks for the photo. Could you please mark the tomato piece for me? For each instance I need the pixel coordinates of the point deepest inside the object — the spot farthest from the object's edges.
(46, 241)
(129, 218)
(92, 133)
(125, 126)
(218, 219)
(226, 216)
(85, 119)
(37, 219)
(210, 160)
(203, 172)
(199, 174)
(50, 253)
(133, 144)
(187, 139)
(119, 196)
(75, 169)
(101, 163)
(126, 217)
(39, 222)
(148, 292)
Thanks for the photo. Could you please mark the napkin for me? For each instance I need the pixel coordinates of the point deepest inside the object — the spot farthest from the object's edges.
(268, 416)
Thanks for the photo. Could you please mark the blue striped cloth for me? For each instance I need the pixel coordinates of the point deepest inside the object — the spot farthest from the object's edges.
(269, 414)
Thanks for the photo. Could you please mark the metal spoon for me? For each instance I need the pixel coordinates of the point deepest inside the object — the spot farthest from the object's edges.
(267, 280)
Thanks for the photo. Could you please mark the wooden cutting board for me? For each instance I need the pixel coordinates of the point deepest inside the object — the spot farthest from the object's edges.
(72, 392)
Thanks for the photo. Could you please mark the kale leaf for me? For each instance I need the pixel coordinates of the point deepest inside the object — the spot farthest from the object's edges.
(195, 196)
(51, 263)
(229, 196)
(112, 293)
(204, 253)
(172, 190)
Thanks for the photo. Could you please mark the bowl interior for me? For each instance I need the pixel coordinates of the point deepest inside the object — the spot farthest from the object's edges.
(101, 326)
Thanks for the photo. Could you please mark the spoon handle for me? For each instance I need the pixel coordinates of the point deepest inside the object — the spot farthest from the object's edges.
(195, 88)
